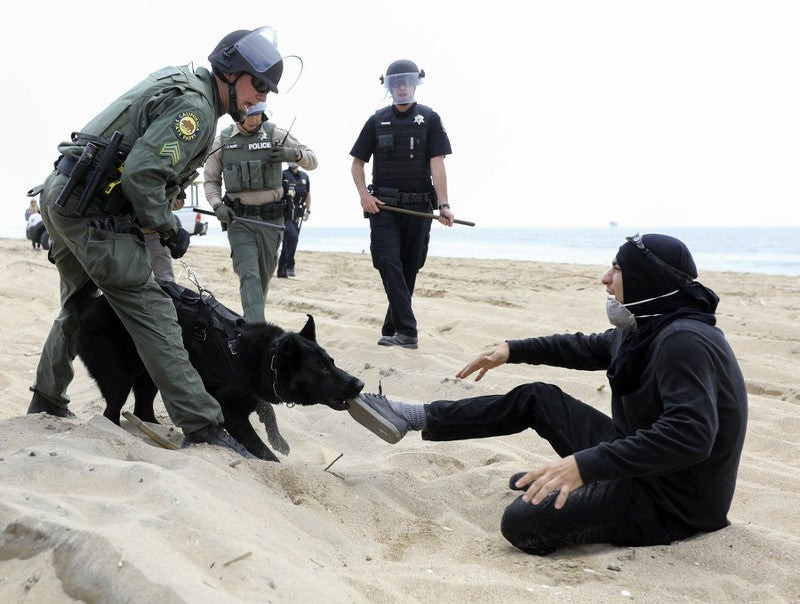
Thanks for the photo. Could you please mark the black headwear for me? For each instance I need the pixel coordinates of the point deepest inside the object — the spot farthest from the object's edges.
(245, 51)
(654, 265)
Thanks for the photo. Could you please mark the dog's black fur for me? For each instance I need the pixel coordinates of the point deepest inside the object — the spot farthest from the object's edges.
(270, 366)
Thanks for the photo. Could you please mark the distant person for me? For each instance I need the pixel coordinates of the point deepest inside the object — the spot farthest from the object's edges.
(247, 159)
(160, 256)
(297, 197)
(115, 177)
(663, 467)
(35, 231)
(408, 143)
(33, 208)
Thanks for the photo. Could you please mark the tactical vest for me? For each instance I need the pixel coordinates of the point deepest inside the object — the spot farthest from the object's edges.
(245, 165)
(401, 150)
(296, 184)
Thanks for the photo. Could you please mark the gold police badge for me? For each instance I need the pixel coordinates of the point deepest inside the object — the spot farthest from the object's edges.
(187, 125)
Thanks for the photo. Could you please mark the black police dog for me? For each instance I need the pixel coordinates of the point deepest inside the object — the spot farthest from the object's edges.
(246, 367)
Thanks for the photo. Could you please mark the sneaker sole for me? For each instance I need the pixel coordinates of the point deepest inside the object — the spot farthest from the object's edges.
(409, 346)
(372, 421)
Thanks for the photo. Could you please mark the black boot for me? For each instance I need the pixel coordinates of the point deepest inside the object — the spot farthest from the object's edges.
(216, 435)
(39, 404)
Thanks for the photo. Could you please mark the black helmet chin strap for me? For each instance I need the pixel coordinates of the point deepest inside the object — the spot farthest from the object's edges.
(233, 109)
(233, 106)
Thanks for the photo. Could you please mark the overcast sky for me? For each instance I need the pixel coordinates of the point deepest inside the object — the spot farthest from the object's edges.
(567, 113)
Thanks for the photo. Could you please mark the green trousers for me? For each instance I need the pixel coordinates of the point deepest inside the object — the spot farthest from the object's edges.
(119, 264)
(254, 251)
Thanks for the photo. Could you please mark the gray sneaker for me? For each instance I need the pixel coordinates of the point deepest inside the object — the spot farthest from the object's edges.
(375, 413)
(399, 339)
(218, 436)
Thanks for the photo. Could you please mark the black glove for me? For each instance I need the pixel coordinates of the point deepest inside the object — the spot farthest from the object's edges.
(225, 213)
(177, 243)
(277, 154)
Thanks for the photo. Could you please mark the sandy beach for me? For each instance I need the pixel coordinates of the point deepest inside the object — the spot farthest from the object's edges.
(99, 513)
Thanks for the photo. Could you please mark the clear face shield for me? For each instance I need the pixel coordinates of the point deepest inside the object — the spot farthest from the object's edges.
(402, 86)
(260, 48)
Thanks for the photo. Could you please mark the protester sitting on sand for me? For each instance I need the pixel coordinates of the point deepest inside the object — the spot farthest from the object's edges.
(663, 466)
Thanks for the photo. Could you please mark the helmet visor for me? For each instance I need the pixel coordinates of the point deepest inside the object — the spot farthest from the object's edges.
(402, 86)
(401, 80)
(259, 49)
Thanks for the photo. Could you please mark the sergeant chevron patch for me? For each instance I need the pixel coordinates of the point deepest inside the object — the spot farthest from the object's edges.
(172, 151)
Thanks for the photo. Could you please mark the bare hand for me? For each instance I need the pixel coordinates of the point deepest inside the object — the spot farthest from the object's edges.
(446, 217)
(488, 359)
(562, 476)
(370, 204)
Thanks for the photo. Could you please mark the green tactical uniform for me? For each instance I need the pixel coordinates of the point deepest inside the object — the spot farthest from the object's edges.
(168, 123)
(249, 175)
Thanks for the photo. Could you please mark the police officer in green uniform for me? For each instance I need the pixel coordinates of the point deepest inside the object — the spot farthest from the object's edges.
(121, 173)
(248, 158)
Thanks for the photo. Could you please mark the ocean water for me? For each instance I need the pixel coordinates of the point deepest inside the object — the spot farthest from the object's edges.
(772, 251)
(765, 250)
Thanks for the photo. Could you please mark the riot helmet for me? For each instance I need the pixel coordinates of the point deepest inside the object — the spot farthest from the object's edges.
(401, 80)
(252, 52)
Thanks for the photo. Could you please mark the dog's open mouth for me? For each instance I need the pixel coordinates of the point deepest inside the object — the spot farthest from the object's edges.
(339, 405)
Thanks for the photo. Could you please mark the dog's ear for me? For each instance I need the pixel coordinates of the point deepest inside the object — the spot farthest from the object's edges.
(309, 331)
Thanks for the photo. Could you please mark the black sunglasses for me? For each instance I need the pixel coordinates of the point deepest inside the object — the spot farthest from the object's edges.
(637, 241)
(259, 84)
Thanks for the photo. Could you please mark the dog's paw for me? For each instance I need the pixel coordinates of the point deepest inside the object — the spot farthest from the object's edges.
(278, 443)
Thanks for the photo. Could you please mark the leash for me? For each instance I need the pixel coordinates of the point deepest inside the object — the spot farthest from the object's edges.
(193, 278)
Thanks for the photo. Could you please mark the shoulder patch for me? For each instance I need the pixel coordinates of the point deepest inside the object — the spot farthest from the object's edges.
(172, 151)
(187, 125)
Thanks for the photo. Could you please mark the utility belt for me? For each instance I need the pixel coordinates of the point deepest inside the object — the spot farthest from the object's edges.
(294, 210)
(266, 211)
(395, 197)
(97, 173)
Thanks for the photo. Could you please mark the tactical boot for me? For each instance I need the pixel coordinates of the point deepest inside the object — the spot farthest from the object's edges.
(40, 404)
(218, 436)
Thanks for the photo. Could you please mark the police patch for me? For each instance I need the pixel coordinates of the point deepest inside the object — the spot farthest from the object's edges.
(187, 125)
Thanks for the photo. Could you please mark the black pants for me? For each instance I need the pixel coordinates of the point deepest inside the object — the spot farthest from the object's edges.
(399, 247)
(290, 238)
(621, 512)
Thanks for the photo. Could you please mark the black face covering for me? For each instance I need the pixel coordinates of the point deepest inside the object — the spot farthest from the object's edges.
(645, 277)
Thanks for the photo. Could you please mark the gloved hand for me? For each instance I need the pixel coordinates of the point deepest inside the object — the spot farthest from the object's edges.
(277, 154)
(225, 213)
(177, 243)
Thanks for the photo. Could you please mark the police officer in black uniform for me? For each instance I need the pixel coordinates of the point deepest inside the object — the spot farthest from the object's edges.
(408, 143)
(297, 197)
